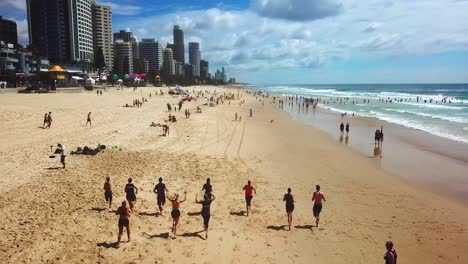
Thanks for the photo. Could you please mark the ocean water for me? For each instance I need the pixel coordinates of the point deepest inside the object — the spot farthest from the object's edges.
(445, 119)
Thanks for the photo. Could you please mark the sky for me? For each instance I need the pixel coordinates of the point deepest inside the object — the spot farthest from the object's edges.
(306, 41)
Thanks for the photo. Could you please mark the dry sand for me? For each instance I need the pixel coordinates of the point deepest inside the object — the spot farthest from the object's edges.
(60, 216)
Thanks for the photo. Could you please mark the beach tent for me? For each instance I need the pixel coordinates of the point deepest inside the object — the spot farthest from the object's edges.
(178, 90)
(90, 81)
(78, 78)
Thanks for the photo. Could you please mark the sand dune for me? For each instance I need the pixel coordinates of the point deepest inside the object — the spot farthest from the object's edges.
(60, 216)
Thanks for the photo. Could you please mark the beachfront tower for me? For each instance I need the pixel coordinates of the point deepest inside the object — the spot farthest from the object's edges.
(61, 30)
(8, 31)
(169, 64)
(102, 25)
(194, 58)
(179, 47)
(152, 51)
(123, 57)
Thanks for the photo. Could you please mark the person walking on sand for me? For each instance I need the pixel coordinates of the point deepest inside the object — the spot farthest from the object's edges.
(124, 215)
(390, 256)
(250, 112)
(175, 213)
(160, 190)
(289, 199)
(317, 198)
(131, 191)
(108, 191)
(208, 198)
(63, 154)
(249, 191)
(235, 116)
(347, 128)
(45, 121)
(207, 187)
(49, 120)
(341, 127)
(88, 120)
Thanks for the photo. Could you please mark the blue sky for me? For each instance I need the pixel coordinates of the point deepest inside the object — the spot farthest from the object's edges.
(306, 41)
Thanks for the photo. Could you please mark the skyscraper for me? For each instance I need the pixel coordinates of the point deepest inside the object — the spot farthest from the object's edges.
(102, 24)
(204, 69)
(61, 30)
(152, 52)
(8, 31)
(124, 35)
(194, 58)
(123, 57)
(179, 47)
(169, 63)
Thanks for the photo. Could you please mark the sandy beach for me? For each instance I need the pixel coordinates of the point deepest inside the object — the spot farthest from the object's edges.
(54, 215)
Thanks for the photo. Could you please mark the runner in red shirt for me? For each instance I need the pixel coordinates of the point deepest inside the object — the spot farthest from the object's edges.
(249, 191)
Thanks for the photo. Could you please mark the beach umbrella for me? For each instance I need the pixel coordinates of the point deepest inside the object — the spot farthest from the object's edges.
(126, 76)
(119, 80)
(115, 77)
(57, 73)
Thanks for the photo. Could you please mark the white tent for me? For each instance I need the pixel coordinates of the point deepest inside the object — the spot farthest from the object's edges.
(119, 81)
(90, 81)
(77, 78)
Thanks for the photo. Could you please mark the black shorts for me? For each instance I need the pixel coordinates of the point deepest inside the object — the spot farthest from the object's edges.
(317, 209)
(161, 200)
(290, 208)
(206, 220)
(248, 199)
(108, 196)
(62, 158)
(175, 213)
(123, 222)
(131, 198)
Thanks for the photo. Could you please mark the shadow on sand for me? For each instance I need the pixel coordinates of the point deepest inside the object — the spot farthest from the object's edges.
(149, 214)
(107, 245)
(97, 209)
(304, 227)
(53, 168)
(194, 234)
(278, 228)
(162, 235)
(240, 213)
(193, 213)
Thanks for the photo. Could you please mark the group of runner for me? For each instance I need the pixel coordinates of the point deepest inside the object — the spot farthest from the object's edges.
(161, 192)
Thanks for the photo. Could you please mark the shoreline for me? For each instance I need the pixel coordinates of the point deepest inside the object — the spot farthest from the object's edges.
(405, 149)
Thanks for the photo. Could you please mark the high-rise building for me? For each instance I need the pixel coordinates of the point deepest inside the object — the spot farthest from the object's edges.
(194, 58)
(8, 31)
(152, 52)
(179, 69)
(124, 35)
(102, 24)
(61, 30)
(179, 47)
(204, 69)
(123, 57)
(169, 63)
(82, 30)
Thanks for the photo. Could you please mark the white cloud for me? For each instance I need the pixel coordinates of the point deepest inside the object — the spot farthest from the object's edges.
(12, 5)
(372, 27)
(297, 10)
(123, 9)
(246, 41)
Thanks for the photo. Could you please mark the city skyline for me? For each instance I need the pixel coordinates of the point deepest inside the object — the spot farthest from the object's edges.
(333, 42)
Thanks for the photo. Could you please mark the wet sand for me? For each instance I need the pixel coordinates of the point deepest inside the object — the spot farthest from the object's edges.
(435, 163)
(51, 215)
